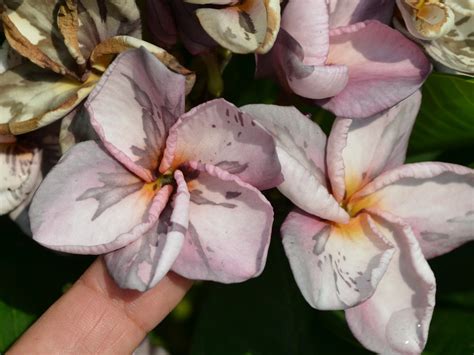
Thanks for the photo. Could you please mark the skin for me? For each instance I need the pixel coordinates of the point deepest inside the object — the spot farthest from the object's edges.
(97, 316)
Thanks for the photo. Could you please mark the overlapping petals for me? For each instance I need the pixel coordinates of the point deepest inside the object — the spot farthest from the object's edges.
(152, 196)
(355, 70)
(67, 47)
(240, 26)
(373, 264)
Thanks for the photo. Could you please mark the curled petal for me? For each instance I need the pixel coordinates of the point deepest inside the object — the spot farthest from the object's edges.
(397, 316)
(144, 262)
(360, 150)
(229, 227)
(233, 142)
(335, 266)
(90, 204)
(384, 68)
(430, 20)
(246, 27)
(435, 199)
(132, 112)
(300, 147)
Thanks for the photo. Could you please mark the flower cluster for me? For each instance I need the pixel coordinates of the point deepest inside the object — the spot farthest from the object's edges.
(102, 151)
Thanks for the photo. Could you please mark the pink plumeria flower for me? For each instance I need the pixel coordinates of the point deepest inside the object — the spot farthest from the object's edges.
(355, 70)
(163, 189)
(366, 223)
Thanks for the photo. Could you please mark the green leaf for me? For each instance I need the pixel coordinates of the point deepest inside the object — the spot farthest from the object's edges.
(446, 118)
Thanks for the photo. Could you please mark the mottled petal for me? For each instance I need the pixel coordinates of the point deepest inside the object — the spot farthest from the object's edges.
(132, 108)
(107, 50)
(90, 204)
(384, 68)
(242, 28)
(360, 150)
(300, 147)
(143, 263)
(9, 58)
(335, 266)
(395, 320)
(229, 227)
(349, 12)
(30, 28)
(430, 20)
(435, 199)
(233, 142)
(20, 171)
(33, 97)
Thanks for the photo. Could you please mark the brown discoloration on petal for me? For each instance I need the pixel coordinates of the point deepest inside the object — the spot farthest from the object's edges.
(273, 25)
(68, 23)
(27, 49)
(106, 51)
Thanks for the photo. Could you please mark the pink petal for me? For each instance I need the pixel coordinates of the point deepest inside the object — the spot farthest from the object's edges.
(435, 199)
(232, 141)
(349, 12)
(132, 107)
(314, 35)
(300, 146)
(359, 150)
(286, 61)
(229, 227)
(397, 317)
(90, 204)
(143, 263)
(384, 68)
(335, 266)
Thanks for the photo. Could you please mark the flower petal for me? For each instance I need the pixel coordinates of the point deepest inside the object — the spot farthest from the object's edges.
(435, 199)
(143, 263)
(229, 227)
(20, 170)
(90, 204)
(363, 149)
(33, 97)
(335, 266)
(286, 60)
(243, 28)
(161, 23)
(233, 142)
(300, 147)
(132, 108)
(397, 317)
(349, 12)
(314, 35)
(384, 68)
(30, 28)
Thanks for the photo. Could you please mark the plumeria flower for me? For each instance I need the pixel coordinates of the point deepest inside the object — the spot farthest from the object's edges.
(354, 70)
(365, 223)
(444, 30)
(162, 189)
(241, 26)
(68, 45)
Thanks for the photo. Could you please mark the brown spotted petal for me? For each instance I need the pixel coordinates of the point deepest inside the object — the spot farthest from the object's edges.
(248, 26)
(30, 28)
(20, 168)
(426, 19)
(106, 51)
(86, 23)
(33, 97)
